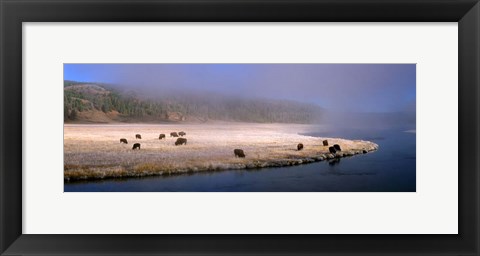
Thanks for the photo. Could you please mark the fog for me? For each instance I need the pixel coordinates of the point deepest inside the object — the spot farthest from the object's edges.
(342, 89)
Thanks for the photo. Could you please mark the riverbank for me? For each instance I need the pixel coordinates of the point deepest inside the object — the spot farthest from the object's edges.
(95, 152)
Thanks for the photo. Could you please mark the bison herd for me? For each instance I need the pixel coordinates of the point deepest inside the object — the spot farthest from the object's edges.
(237, 152)
(180, 141)
(240, 153)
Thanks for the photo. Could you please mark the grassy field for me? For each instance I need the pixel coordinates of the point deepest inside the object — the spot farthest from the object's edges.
(95, 151)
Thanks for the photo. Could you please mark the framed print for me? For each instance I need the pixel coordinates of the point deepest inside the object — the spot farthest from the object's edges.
(239, 127)
(265, 110)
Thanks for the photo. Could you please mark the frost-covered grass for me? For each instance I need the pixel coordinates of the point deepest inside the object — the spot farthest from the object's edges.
(95, 151)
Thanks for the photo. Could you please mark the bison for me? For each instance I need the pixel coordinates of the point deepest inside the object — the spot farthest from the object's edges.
(123, 141)
(161, 136)
(332, 150)
(325, 142)
(138, 136)
(299, 146)
(181, 141)
(337, 147)
(182, 134)
(239, 153)
(136, 145)
(173, 134)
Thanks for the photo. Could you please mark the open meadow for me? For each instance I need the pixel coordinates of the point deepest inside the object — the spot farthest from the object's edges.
(94, 151)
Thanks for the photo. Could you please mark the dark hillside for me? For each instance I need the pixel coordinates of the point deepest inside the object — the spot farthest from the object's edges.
(96, 102)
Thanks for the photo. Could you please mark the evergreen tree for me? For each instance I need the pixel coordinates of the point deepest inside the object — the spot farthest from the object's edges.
(73, 114)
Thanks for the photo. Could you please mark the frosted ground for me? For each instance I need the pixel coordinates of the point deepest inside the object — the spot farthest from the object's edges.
(95, 152)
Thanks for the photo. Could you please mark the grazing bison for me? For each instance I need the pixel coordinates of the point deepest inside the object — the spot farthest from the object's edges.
(300, 146)
(181, 141)
(239, 153)
(138, 136)
(136, 145)
(161, 136)
(123, 141)
(182, 134)
(337, 147)
(173, 134)
(332, 150)
(325, 142)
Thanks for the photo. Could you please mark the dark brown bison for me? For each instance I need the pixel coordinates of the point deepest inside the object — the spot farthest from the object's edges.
(239, 153)
(182, 134)
(299, 146)
(138, 136)
(173, 134)
(332, 150)
(136, 145)
(325, 142)
(161, 136)
(181, 141)
(337, 147)
(123, 141)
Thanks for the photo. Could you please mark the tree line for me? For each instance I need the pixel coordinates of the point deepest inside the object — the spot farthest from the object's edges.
(102, 97)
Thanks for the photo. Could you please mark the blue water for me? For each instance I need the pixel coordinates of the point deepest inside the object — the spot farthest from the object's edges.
(392, 168)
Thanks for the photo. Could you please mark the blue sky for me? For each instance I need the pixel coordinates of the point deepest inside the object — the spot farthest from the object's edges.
(340, 87)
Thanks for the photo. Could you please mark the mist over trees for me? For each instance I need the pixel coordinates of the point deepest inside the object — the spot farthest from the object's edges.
(165, 105)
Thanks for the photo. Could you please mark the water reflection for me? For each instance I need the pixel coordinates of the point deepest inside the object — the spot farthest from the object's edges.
(334, 161)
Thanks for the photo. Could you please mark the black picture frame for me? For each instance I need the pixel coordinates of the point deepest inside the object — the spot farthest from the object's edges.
(14, 12)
